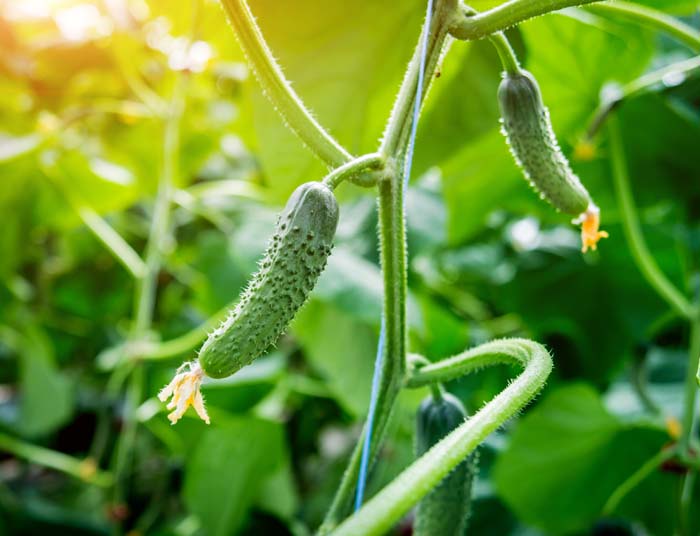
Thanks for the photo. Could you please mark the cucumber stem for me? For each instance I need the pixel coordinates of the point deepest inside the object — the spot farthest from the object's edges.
(464, 26)
(278, 89)
(393, 501)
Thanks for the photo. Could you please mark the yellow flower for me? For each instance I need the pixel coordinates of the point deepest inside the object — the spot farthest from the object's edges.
(184, 390)
(590, 222)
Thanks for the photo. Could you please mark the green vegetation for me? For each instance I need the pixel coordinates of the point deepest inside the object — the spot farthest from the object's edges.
(146, 151)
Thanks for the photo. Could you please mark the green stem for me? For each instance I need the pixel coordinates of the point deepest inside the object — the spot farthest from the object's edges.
(467, 27)
(633, 233)
(393, 259)
(636, 478)
(85, 470)
(399, 122)
(354, 169)
(391, 503)
(651, 18)
(505, 53)
(393, 255)
(278, 89)
(500, 42)
(691, 387)
(639, 86)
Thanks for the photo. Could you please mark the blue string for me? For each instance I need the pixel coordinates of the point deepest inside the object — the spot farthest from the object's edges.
(364, 461)
(408, 161)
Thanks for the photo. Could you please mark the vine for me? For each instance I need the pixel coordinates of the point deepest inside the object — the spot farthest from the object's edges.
(383, 169)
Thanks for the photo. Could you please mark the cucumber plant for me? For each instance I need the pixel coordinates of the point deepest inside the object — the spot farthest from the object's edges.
(440, 479)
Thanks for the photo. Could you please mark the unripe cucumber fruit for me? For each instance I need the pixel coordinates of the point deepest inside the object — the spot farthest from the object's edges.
(527, 127)
(295, 257)
(445, 510)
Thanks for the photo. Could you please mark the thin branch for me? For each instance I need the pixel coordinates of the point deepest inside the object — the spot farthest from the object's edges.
(632, 228)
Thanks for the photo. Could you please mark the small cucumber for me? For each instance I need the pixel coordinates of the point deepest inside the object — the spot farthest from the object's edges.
(445, 510)
(295, 257)
(528, 129)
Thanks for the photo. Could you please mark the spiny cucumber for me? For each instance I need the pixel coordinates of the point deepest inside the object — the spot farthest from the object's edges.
(528, 129)
(295, 257)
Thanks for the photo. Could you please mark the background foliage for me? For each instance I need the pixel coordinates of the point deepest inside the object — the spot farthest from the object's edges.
(85, 87)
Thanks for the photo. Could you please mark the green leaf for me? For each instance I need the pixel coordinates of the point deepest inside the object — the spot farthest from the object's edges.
(566, 457)
(340, 348)
(46, 400)
(227, 468)
(479, 179)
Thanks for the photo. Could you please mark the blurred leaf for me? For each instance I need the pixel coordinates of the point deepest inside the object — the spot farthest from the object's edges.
(572, 454)
(227, 468)
(46, 395)
(342, 349)
(14, 147)
(571, 80)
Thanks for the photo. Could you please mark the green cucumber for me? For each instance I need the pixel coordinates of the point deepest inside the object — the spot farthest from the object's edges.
(295, 257)
(445, 510)
(528, 129)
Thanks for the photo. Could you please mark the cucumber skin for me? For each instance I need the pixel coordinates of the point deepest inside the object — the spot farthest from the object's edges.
(295, 257)
(528, 129)
(445, 510)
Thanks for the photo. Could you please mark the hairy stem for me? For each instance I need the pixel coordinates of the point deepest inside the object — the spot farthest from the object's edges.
(651, 18)
(354, 168)
(399, 123)
(500, 42)
(392, 502)
(633, 233)
(467, 27)
(393, 252)
(393, 258)
(85, 470)
(278, 89)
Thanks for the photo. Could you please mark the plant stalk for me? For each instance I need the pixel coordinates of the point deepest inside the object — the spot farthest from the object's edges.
(633, 233)
(85, 470)
(467, 27)
(278, 89)
(392, 502)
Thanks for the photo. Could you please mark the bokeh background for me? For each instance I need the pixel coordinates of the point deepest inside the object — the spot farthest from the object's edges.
(102, 101)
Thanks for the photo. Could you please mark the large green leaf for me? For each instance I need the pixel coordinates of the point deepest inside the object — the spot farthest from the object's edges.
(566, 457)
(46, 396)
(227, 468)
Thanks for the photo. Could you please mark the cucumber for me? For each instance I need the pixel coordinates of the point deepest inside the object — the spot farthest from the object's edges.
(445, 510)
(528, 129)
(295, 257)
